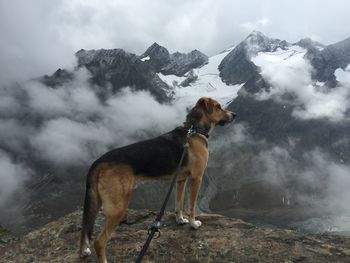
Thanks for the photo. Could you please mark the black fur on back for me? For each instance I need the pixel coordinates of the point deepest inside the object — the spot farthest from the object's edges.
(154, 157)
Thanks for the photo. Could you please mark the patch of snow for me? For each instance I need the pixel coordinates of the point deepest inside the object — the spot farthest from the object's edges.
(227, 50)
(208, 84)
(145, 58)
(293, 52)
(171, 80)
(319, 84)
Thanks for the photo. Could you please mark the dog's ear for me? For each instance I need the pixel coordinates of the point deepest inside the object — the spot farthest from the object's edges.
(206, 104)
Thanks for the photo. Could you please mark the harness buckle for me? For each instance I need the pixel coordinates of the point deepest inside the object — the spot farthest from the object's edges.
(190, 131)
(156, 225)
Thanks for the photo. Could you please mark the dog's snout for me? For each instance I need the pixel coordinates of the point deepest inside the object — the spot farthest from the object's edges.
(231, 115)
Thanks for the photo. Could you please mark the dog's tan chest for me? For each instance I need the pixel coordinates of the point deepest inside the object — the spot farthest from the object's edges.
(198, 155)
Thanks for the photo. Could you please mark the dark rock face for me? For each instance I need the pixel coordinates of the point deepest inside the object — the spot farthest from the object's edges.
(181, 63)
(173, 64)
(58, 78)
(121, 69)
(191, 77)
(113, 67)
(308, 43)
(327, 60)
(237, 66)
(159, 57)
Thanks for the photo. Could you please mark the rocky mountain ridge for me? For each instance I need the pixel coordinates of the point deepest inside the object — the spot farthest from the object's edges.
(237, 66)
(119, 69)
(220, 239)
(325, 61)
(235, 175)
(173, 64)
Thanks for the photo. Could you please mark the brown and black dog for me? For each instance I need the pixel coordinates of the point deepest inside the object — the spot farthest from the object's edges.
(112, 177)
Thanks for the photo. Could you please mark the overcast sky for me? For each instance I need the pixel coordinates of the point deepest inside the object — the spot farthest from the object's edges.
(38, 36)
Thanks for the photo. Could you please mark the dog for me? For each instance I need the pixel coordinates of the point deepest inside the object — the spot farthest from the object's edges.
(112, 177)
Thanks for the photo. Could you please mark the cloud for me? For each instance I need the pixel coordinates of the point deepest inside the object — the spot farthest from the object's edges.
(12, 177)
(343, 75)
(75, 98)
(67, 127)
(122, 119)
(307, 177)
(259, 24)
(64, 141)
(331, 177)
(319, 180)
(14, 135)
(290, 74)
(71, 125)
(29, 46)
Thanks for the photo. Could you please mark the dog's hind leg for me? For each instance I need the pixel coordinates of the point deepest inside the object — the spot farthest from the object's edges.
(91, 207)
(114, 187)
(180, 194)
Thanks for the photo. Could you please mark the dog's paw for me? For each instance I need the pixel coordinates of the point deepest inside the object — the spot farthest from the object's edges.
(86, 252)
(195, 224)
(182, 220)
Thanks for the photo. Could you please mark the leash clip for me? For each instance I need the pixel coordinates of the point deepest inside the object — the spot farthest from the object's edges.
(156, 225)
(190, 131)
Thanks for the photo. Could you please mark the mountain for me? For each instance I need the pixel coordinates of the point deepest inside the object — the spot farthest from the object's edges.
(287, 151)
(221, 239)
(294, 143)
(325, 61)
(237, 66)
(157, 56)
(258, 112)
(173, 64)
(118, 68)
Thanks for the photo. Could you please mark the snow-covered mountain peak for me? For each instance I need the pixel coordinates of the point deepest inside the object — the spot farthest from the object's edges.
(255, 36)
(159, 56)
(237, 68)
(257, 41)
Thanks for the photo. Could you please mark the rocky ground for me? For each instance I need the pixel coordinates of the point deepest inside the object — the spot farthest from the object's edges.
(220, 239)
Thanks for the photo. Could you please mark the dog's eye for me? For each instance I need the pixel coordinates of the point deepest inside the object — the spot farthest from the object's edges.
(218, 107)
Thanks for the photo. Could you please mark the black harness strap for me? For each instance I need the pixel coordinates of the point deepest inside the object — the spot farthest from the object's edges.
(157, 222)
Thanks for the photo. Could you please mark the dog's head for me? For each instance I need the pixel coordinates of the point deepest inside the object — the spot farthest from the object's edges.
(208, 112)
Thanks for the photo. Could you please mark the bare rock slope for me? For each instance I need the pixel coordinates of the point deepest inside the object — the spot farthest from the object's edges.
(220, 239)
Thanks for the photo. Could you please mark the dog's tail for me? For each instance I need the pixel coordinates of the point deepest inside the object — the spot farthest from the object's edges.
(91, 207)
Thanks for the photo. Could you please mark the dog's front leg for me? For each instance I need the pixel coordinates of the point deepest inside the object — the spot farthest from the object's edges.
(195, 186)
(180, 193)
